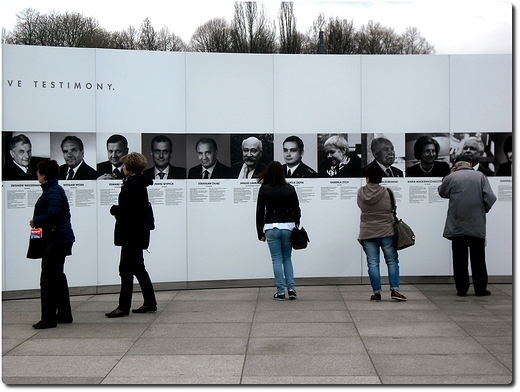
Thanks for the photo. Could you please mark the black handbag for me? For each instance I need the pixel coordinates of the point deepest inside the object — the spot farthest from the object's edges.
(404, 236)
(40, 246)
(299, 238)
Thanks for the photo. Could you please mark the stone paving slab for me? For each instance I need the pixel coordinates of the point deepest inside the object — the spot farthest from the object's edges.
(330, 335)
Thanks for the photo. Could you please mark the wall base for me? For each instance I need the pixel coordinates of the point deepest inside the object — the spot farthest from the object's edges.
(240, 283)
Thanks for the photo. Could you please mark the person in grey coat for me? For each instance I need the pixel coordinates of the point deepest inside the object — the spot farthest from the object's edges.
(471, 197)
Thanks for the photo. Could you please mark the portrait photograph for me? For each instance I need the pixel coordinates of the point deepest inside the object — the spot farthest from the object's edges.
(76, 155)
(478, 146)
(386, 150)
(250, 154)
(427, 154)
(208, 156)
(339, 155)
(298, 153)
(22, 152)
(166, 155)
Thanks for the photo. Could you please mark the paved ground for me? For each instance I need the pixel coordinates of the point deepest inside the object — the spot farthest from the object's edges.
(329, 335)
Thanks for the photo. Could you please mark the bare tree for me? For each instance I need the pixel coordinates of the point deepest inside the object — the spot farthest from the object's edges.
(147, 36)
(212, 36)
(340, 36)
(125, 39)
(26, 29)
(251, 30)
(169, 42)
(413, 43)
(373, 38)
(310, 44)
(290, 39)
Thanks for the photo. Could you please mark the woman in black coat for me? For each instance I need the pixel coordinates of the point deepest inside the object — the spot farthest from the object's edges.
(277, 214)
(132, 233)
(52, 215)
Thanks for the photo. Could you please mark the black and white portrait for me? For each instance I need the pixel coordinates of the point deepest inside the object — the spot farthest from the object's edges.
(74, 153)
(166, 154)
(427, 155)
(339, 155)
(478, 146)
(250, 154)
(385, 151)
(22, 152)
(208, 156)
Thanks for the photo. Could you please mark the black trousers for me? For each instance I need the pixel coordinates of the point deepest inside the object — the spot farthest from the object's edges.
(461, 247)
(55, 301)
(132, 264)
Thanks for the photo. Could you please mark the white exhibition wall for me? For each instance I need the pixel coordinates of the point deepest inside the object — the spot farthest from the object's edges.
(206, 229)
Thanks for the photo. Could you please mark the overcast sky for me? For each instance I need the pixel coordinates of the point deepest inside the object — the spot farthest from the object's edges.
(453, 27)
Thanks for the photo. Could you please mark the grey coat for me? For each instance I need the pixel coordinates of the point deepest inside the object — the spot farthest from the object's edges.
(376, 220)
(471, 197)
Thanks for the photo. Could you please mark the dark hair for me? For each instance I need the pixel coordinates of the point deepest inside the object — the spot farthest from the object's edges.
(423, 141)
(374, 174)
(207, 140)
(161, 139)
(274, 175)
(73, 139)
(117, 139)
(48, 168)
(295, 139)
(17, 139)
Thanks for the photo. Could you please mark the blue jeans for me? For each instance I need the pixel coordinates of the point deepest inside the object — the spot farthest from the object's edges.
(279, 242)
(371, 248)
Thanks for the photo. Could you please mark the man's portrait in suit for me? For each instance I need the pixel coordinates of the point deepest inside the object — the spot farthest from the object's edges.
(209, 167)
(384, 157)
(250, 166)
(161, 151)
(339, 162)
(474, 147)
(117, 147)
(75, 167)
(20, 163)
(293, 150)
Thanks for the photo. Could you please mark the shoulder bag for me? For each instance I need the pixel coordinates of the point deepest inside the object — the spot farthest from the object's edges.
(404, 236)
(299, 238)
(40, 245)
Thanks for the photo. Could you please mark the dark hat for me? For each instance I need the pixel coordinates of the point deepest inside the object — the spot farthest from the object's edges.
(463, 158)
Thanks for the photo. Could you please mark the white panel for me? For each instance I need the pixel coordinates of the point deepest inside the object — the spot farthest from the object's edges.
(46, 88)
(145, 91)
(331, 217)
(499, 228)
(317, 94)
(81, 267)
(229, 93)
(421, 207)
(166, 259)
(405, 93)
(481, 93)
(222, 239)
(19, 198)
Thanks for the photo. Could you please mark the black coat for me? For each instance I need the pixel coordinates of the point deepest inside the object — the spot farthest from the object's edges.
(131, 227)
(52, 210)
(276, 204)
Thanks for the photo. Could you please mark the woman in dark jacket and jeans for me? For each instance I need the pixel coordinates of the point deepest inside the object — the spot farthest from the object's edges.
(52, 215)
(277, 214)
(132, 233)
